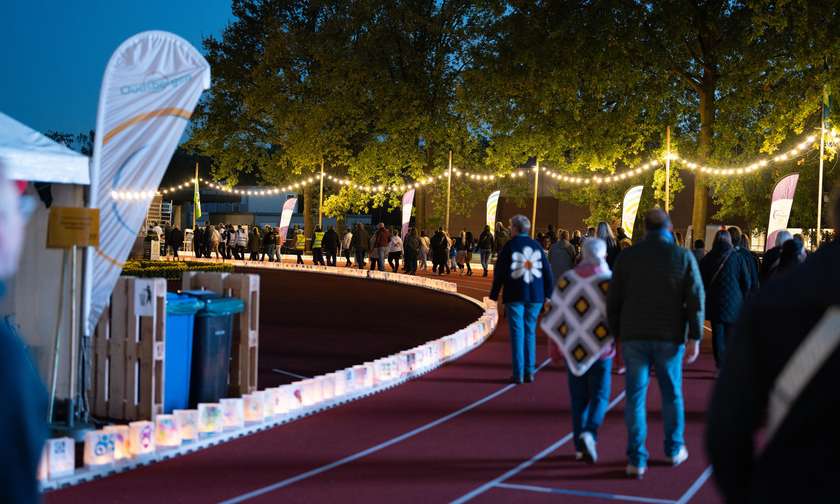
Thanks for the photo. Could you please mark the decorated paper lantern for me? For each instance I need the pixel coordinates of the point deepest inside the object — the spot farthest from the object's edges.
(210, 418)
(99, 448)
(297, 395)
(283, 400)
(42, 465)
(349, 384)
(254, 407)
(268, 403)
(187, 421)
(141, 437)
(311, 391)
(327, 387)
(60, 457)
(275, 395)
(166, 431)
(233, 413)
(339, 384)
(120, 437)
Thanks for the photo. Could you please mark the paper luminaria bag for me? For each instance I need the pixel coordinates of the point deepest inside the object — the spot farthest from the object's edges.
(187, 421)
(254, 407)
(210, 418)
(120, 438)
(99, 448)
(233, 412)
(59, 457)
(141, 437)
(166, 431)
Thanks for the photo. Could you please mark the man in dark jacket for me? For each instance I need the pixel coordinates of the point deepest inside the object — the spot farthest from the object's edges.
(411, 246)
(562, 255)
(439, 246)
(523, 275)
(269, 243)
(765, 381)
(772, 257)
(742, 248)
(359, 244)
(176, 240)
(330, 245)
(656, 291)
(198, 241)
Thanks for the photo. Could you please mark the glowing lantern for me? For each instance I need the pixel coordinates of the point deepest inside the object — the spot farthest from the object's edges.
(268, 403)
(311, 392)
(349, 384)
(141, 437)
(233, 413)
(42, 465)
(99, 448)
(275, 395)
(166, 431)
(60, 455)
(187, 420)
(297, 395)
(327, 387)
(210, 418)
(339, 383)
(119, 435)
(254, 407)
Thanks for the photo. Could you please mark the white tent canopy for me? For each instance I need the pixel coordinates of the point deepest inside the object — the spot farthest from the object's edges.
(26, 154)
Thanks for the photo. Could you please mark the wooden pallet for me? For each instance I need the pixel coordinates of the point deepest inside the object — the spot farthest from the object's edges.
(128, 352)
(246, 326)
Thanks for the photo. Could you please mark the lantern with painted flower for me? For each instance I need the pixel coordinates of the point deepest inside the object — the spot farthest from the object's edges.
(254, 407)
(210, 418)
(120, 437)
(275, 397)
(187, 421)
(141, 437)
(166, 431)
(233, 412)
(99, 448)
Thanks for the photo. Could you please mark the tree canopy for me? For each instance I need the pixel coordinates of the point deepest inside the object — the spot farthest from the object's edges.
(380, 92)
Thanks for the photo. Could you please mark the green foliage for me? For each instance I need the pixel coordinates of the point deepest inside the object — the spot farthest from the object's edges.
(170, 270)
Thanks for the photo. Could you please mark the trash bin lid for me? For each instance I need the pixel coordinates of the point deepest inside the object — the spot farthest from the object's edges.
(177, 304)
(222, 306)
(201, 294)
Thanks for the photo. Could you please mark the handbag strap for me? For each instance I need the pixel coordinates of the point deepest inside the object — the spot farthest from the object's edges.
(722, 264)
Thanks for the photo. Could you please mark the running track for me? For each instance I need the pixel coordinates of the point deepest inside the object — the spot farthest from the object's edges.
(460, 433)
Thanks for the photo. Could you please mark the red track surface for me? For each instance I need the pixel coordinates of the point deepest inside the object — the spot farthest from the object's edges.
(457, 431)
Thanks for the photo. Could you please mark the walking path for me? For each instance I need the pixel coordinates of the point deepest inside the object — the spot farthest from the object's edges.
(461, 433)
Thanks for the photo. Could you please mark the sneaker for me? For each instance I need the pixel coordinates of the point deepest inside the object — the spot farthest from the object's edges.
(578, 456)
(637, 472)
(622, 370)
(589, 447)
(529, 378)
(679, 458)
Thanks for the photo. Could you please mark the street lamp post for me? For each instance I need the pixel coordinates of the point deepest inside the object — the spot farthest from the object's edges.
(536, 192)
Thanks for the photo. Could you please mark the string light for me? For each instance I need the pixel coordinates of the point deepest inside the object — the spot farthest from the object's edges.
(799, 150)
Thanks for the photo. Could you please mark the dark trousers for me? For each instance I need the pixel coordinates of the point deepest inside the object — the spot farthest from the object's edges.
(174, 250)
(590, 397)
(360, 258)
(331, 257)
(317, 256)
(411, 263)
(721, 335)
(347, 257)
(394, 260)
(299, 256)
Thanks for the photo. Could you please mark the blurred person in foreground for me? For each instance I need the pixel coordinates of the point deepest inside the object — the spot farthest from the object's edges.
(772, 426)
(655, 299)
(577, 329)
(523, 275)
(23, 428)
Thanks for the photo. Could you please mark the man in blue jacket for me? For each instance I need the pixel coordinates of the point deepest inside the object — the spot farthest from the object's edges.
(524, 273)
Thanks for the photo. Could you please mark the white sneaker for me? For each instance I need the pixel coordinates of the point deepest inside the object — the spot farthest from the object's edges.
(589, 447)
(635, 471)
(679, 458)
(578, 456)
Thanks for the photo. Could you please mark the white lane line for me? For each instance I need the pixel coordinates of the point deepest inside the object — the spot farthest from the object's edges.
(373, 449)
(526, 464)
(584, 493)
(696, 486)
(289, 373)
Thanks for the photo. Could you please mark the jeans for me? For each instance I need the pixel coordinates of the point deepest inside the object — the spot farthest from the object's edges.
(666, 359)
(522, 320)
(590, 395)
(721, 335)
(360, 257)
(269, 251)
(381, 254)
(485, 258)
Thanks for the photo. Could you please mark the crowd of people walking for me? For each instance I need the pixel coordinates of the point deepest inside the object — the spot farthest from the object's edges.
(598, 290)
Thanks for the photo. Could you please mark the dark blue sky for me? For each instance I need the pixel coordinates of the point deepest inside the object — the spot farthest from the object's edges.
(53, 52)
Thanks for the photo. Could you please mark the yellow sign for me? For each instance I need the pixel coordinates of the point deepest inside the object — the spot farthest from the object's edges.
(69, 226)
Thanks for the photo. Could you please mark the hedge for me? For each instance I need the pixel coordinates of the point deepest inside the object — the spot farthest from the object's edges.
(170, 270)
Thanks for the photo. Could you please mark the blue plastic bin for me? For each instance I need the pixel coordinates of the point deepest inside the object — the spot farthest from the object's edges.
(180, 323)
